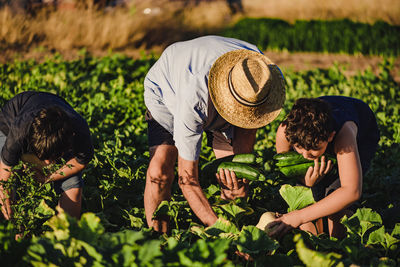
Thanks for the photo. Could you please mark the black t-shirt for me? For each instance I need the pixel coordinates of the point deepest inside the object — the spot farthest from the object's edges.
(17, 116)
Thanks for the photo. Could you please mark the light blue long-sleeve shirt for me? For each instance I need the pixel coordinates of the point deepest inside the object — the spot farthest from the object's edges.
(176, 90)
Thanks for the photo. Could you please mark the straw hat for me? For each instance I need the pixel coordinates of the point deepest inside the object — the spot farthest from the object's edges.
(246, 88)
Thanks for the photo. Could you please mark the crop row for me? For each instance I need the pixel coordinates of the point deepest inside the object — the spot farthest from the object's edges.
(336, 36)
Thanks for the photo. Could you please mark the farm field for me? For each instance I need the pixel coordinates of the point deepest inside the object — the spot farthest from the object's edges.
(107, 91)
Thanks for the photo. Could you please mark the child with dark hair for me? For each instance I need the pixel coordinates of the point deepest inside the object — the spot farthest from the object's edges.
(42, 128)
(337, 125)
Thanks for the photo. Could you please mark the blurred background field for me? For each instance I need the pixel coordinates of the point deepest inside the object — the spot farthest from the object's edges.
(102, 24)
(39, 28)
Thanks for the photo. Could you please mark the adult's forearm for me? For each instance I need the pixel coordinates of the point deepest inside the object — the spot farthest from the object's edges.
(190, 186)
(338, 200)
(199, 203)
(155, 192)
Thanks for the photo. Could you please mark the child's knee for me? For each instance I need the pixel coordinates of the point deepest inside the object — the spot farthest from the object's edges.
(312, 227)
(337, 217)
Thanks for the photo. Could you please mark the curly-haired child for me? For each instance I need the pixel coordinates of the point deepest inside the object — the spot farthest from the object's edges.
(338, 125)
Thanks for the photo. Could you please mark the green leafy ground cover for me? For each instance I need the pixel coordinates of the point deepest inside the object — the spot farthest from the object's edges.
(112, 231)
(336, 36)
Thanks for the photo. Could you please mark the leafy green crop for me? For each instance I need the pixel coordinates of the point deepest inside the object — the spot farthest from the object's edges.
(112, 231)
(297, 197)
(30, 200)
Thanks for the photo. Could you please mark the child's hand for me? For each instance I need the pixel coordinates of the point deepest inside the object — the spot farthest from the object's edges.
(243, 255)
(316, 173)
(18, 236)
(284, 223)
(231, 186)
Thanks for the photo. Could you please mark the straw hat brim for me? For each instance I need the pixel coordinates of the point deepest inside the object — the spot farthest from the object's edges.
(234, 112)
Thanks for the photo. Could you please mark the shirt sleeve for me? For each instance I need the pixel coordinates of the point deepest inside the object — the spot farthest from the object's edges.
(189, 119)
(12, 149)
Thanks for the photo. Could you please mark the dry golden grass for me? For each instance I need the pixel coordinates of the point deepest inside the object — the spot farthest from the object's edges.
(367, 11)
(89, 28)
(166, 22)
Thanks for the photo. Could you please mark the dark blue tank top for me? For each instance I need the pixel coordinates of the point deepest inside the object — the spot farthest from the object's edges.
(351, 109)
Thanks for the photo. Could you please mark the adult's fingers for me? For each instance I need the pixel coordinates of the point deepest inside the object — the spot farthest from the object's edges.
(228, 179)
(222, 178)
(235, 183)
(223, 195)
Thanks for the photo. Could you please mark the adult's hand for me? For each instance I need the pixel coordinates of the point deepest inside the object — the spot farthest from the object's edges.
(231, 186)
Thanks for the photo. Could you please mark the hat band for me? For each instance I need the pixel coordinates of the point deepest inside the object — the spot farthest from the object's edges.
(242, 100)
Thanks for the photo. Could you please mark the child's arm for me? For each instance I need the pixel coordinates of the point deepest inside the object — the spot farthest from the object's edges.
(5, 173)
(350, 174)
(70, 168)
(281, 143)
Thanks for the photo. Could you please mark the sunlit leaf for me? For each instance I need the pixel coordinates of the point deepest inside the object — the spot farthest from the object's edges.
(297, 197)
(363, 220)
(253, 241)
(233, 209)
(396, 230)
(221, 226)
(44, 210)
(312, 258)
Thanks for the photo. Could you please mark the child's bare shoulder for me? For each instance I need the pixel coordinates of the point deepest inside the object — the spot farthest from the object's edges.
(346, 137)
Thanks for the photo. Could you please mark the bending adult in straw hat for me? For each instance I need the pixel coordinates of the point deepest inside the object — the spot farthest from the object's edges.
(221, 86)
